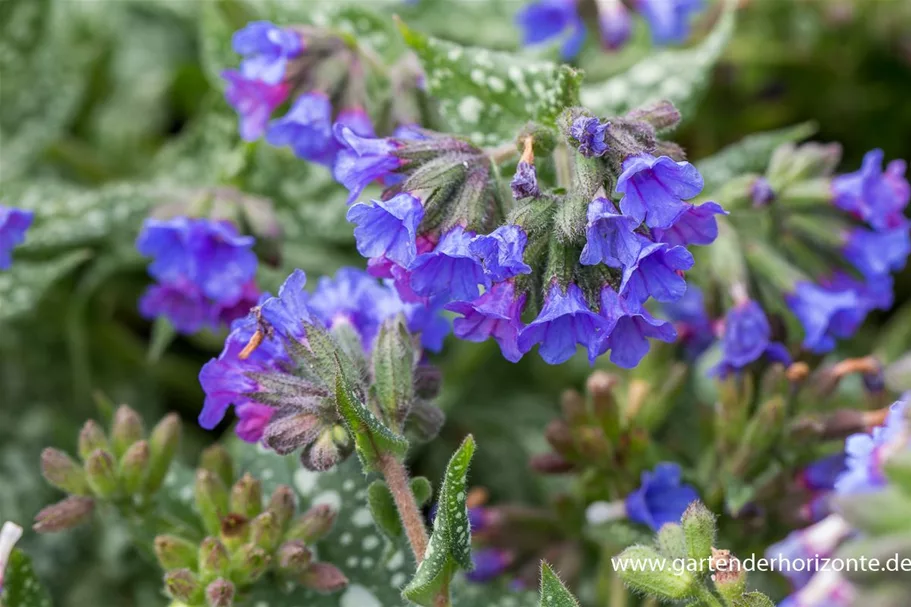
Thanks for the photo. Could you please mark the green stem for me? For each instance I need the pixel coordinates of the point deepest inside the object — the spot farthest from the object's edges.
(706, 598)
(619, 596)
(564, 165)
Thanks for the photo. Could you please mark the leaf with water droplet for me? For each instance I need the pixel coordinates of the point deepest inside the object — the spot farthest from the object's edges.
(450, 544)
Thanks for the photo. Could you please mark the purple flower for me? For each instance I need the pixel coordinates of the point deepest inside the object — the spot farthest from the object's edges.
(817, 308)
(694, 327)
(633, 327)
(878, 253)
(656, 273)
(181, 302)
(661, 498)
(254, 101)
(306, 128)
(589, 133)
(746, 334)
(450, 270)
(873, 294)
(362, 160)
(761, 192)
(252, 419)
(210, 254)
(564, 321)
(501, 252)
(654, 189)
(355, 297)
(13, 225)
(266, 49)
(809, 546)
(524, 183)
(876, 197)
(669, 20)
(697, 225)
(825, 589)
(288, 312)
(822, 474)
(610, 237)
(388, 228)
(227, 313)
(489, 564)
(426, 320)
(865, 453)
(548, 19)
(497, 313)
(615, 23)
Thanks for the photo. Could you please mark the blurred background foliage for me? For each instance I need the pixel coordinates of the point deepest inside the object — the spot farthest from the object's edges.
(109, 108)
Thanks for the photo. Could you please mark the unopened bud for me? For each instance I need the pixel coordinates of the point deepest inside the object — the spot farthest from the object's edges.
(220, 593)
(427, 381)
(217, 460)
(247, 496)
(560, 437)
(662, 115)
(324, 453)
(92, 437)
(573, 407)
(294, 558)
(728, 575)
(797, 372)
(659, 580)
(265, 531)
(101, 474)
(551, 463)
(211, 500)
(175, 553)
(699, 528)
(61, 471)
(183, 585)
(163, 442)
(323, 577)
(283, 504)
(671, 541)
(234, 529)
(213, 559)
(249, 564)
(313, 525)
(63, 515)
(133, 467)
(126, 430)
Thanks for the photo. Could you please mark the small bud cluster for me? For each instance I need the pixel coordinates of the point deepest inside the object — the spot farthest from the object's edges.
(248, 537)
(280, 366)
(545, 21)
(124, 467)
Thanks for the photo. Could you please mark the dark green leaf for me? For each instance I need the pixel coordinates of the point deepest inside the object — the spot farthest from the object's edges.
(488, 95)
(21, 587)
(553, 592)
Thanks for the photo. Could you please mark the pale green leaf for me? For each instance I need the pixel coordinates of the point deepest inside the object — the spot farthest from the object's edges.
(488, 95)
(24, 284)
(679, 76)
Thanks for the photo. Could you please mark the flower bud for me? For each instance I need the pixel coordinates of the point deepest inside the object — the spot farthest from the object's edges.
(126, 429)
(249, 564)
(393, 371)
(92, 437)
(671, 541)
(728, 575)
(551, 463)
(427, 381)
(294, 558)
(213, 559)
(313, 525)
(234, 530)
(283, 504)
(211, 500)
(662, 115)
(175, 553)
(64, 515)
(61, 471)
(332, 446)
(651, 579)
(220, 593)
(247, 496)
(699, 528)
(101, 473)
(217, 460)
(323, 577)
(134, 466)
(183, 585)
(163, 442)
(265, 530)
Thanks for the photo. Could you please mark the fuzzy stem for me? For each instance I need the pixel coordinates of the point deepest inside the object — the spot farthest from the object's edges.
(563, 162)
(706, 598)
(397, 480)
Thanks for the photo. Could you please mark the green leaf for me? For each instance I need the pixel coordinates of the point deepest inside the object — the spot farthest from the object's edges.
(23, 286)
(678, 76)
(382, 505)
(22, 26)
(749, 155)
(371, 437)
(754, 599)
(450, 545)
(21, 587)
(393, 364)
(553, 592)
(488, 95)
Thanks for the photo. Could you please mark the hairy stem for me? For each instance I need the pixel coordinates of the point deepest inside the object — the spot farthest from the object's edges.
(706, 598)
(563, 162)
(397, 480)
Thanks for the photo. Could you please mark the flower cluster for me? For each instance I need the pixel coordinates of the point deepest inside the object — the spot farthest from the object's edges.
(204, 270)
(13, 225)
(266, 369)
(559, 20)
(859, 470)
(441, 234)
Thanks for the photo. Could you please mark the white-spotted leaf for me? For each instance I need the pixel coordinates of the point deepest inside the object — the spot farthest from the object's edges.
(553, 592)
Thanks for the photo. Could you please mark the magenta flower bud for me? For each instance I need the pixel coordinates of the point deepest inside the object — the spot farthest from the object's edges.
(63, 515)
(323, 577)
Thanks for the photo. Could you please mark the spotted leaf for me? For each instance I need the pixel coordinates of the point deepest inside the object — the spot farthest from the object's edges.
(21, 587)
(553, 592)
